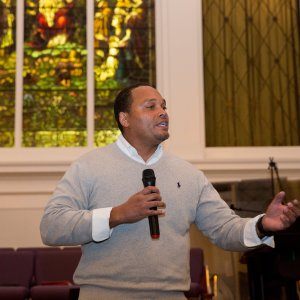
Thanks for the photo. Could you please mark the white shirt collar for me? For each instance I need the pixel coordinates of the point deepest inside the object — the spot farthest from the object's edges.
(130, 151)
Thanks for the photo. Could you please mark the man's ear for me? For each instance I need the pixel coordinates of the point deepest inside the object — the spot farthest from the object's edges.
(123, 118)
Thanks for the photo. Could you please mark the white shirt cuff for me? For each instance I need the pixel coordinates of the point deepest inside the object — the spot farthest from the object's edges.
(100, 224)
(250, 236)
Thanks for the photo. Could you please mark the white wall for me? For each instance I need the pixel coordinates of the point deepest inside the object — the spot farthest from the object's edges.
(22, 199)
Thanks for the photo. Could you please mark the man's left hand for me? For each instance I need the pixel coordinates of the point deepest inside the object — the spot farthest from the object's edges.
(280, 216)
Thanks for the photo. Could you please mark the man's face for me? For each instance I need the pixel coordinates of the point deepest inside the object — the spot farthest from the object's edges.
(147, 122)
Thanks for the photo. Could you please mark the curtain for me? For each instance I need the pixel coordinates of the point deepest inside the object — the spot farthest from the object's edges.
(251, 72)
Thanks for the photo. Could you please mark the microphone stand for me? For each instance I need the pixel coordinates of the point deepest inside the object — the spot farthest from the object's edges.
(273, 168)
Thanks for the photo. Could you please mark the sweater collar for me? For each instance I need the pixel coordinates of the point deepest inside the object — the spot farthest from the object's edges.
(130, 151)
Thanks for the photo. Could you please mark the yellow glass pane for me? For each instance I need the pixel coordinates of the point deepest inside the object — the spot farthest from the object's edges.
(124, 54)
(7, 72)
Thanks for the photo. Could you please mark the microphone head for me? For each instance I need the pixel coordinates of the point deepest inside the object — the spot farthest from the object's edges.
(148, 173)
(148, 177)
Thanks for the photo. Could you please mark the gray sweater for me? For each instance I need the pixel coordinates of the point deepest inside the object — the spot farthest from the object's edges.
(130, 261)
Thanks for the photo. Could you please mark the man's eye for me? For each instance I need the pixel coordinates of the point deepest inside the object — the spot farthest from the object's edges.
(151, 106)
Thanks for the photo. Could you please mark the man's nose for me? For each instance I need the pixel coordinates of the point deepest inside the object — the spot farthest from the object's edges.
(164, 115)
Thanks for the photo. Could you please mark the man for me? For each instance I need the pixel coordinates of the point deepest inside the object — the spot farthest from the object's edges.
(101, 204)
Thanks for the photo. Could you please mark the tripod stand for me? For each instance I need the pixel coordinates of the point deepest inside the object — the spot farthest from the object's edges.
(273, 168)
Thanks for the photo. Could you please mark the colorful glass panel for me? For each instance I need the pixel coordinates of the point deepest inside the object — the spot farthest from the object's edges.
(54, 72)
(7, 71)
(124, 54)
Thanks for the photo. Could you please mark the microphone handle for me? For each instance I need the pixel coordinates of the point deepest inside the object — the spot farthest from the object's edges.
(153, 220)
(154, 226)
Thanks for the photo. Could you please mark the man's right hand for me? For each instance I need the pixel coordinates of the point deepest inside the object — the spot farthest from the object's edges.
(137, 207)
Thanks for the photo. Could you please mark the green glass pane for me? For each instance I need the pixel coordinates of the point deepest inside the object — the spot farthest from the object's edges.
(124, 54)
(106, 136)
(7, 72)
(54, 75)
(56, 118)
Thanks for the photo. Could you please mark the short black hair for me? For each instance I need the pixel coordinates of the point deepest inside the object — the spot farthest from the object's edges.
(123, 101)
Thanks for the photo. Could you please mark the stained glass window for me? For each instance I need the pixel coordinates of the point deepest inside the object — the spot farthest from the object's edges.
(124, 54)
(54, 88)
(7, 71)
(54, 93)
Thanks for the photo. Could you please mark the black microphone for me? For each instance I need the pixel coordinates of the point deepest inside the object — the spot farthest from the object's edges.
(149, 180)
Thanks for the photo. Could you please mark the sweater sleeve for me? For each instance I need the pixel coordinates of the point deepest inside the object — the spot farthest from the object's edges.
(217, 221)
(67, 219)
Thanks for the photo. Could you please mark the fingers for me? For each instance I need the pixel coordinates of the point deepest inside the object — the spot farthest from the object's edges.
(290, 213)
(296, 203)
(158, 212)
(145, 203)
(294, 206)
(150, 189)
(151, 204)
(280, 215)
(288, 216)
(278, 199)
(152, 197)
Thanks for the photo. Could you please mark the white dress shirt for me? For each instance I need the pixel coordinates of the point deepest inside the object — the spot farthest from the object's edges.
(100, 217)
